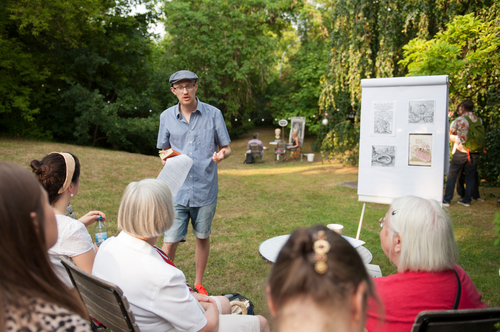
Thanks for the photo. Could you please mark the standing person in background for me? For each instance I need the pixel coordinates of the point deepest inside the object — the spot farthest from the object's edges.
(461, 174)
(461, 157)
(59, 174)
(32, 298)
(198, 131)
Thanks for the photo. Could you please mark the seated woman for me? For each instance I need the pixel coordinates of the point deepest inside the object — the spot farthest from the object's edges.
(417, 237)
(32, 298)
(318, 283)
(295, 140)
(294, 147)
(155, 288)
(59, 174)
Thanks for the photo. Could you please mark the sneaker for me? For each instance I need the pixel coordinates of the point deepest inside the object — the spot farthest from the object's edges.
(463, 203)
(479, 199)
(200, 289)
(446, 203)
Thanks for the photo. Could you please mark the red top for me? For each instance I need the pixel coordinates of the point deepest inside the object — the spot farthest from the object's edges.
(405, 295)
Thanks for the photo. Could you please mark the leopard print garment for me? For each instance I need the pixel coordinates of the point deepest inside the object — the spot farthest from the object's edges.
(43, 316)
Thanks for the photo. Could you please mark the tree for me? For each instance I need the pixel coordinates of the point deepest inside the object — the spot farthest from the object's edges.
(467, 51)
(367, 39)
(230, 45)
(296, 91)
(25, 26)
(80, 72)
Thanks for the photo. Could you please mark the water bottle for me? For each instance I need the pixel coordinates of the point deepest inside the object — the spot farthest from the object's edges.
(100, 231)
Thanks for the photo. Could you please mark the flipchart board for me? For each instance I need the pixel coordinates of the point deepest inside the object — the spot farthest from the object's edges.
(404, 147)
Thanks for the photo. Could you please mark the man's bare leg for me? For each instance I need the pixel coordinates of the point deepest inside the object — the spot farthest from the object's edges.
(201, 257)
(169, 249)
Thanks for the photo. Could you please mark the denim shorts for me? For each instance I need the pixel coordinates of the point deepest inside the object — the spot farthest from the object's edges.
(201, 219)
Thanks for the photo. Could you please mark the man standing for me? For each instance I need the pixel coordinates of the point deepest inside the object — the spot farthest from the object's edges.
(459, 131)
(197, 130)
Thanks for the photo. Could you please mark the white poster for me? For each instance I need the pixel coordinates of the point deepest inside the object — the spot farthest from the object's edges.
(403, 147)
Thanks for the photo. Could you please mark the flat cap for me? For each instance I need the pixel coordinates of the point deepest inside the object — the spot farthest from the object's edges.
(182, 75)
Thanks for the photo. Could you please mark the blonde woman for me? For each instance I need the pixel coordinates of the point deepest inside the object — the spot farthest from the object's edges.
(155, 288)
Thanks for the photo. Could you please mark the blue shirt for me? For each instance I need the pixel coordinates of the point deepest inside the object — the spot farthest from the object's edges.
(198, 139)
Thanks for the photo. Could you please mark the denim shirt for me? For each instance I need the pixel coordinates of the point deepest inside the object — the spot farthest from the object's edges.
(198, 139)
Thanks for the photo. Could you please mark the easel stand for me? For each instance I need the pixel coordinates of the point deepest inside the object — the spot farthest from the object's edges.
(361, 221)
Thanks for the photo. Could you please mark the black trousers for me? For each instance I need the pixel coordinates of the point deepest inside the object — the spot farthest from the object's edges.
(458, 161)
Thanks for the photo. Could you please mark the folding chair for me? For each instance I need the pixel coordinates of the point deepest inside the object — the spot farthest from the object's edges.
(257, 153)
(280, 150)
(104, 300)
(466, 320)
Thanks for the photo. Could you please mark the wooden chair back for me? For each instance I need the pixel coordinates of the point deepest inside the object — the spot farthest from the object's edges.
(466, 320)
(256, 152)
(104, 300)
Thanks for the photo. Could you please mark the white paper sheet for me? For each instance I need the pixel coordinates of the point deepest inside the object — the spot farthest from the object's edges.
(374, 271)
(353, 242)
(175, 172)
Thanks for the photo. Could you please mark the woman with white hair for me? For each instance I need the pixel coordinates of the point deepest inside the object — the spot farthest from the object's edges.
(417, 236)
(155, 288)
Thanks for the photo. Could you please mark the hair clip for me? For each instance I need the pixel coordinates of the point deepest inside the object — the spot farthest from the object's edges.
(321, 248)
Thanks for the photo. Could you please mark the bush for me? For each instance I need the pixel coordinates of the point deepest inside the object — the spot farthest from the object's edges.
(342, 143)
(489, 162)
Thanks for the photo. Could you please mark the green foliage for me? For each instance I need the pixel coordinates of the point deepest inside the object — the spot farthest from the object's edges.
(82, 72)
(230, 45)
(467, 51)
(489, 163)
(342, 143)
(496, 222)
(296, 91)
(367, 39)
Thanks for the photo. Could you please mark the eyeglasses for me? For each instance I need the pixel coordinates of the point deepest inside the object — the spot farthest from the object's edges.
(381, 221)
(187, 87)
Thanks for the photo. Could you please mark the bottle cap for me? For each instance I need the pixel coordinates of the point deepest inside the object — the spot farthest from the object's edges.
(99, 218)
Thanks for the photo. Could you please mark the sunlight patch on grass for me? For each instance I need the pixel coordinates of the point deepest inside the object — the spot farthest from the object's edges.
(310, 169)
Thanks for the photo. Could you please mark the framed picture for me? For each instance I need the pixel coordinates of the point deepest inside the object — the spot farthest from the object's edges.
(420, 150)
(383, 155)
(421, 111)
(298, 124)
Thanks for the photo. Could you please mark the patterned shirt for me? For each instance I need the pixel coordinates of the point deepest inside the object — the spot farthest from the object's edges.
(460, 128)
(198, 140)
(39, 315)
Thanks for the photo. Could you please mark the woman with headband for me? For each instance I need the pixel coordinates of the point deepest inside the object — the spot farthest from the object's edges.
(59, 174)
(318, 283)
(32, 298)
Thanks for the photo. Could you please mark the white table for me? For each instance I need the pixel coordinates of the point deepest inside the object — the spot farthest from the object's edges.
(270, 248)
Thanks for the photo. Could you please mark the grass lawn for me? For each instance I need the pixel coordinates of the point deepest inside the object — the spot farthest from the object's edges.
(259, 201)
